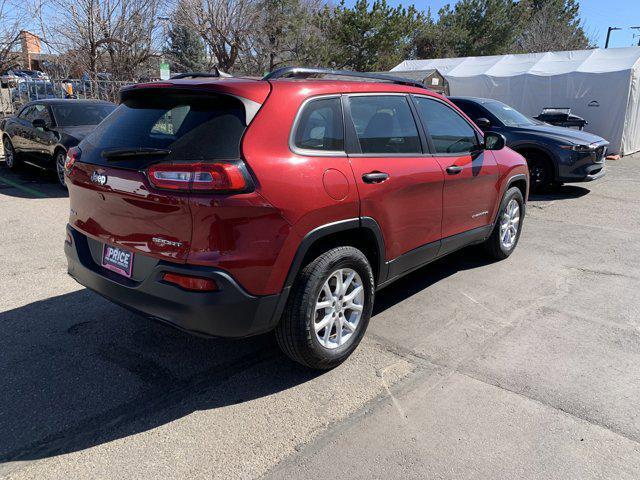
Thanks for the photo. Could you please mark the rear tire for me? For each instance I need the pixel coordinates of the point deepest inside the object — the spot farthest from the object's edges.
(506, 232)
(321, 325)
(10, 157)
(59, 159)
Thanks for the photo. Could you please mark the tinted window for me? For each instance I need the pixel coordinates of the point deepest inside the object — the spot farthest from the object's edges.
(72, 114)
(192, 127)
(449, 131)
(28, 113)
(320, 126)
(42, 112)
(384, 124)
(471, 109)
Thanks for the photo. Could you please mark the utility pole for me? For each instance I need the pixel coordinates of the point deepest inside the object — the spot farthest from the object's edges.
(606, 43)
(637, 28)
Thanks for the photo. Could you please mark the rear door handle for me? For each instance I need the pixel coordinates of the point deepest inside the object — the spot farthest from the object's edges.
(375, 177)
(454, 170)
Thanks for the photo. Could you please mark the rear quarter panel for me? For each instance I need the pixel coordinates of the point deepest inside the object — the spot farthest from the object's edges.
(294, 184)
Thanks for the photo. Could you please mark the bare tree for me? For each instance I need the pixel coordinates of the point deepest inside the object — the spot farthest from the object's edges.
(225, 26)
(116, 36)
(11, 19)
(551, 25)
(282, 33)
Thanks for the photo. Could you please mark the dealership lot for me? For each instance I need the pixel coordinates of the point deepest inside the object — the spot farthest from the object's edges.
(527, 368)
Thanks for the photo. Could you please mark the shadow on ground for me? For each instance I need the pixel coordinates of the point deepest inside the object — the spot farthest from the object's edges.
(564, 192)
(77, 371)
(29, 182)
(409, 285)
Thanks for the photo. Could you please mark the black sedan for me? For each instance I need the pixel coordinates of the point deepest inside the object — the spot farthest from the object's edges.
(555, 155)
(42, 132)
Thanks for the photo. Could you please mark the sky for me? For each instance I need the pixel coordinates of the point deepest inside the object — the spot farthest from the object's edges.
(597, 15)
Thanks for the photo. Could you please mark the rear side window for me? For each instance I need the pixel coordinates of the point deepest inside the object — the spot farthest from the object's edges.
(449, 131)
(320, 126)
(192, 127)
(384, 124)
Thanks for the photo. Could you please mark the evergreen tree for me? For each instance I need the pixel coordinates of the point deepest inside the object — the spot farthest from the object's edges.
(369, 37)
(472, 27)
(495, 27)
(186, 49)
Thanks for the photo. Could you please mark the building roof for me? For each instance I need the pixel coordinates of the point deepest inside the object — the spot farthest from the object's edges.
(598, 60)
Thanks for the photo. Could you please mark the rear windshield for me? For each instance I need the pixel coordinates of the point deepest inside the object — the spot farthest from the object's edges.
(76, 114)
(187, 127)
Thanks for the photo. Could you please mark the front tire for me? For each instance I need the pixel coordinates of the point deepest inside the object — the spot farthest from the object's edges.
(540, 173)
(506, 232)
(328, 309)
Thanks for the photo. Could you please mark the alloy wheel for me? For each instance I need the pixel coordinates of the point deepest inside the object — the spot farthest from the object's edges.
(509, 223)
(338, 308)
(9, 156)
(60, 168)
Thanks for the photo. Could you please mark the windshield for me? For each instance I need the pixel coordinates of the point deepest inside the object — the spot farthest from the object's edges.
(75, 114)
(508, 115)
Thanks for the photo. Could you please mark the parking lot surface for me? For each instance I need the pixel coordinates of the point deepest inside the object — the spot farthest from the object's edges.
(526, 368)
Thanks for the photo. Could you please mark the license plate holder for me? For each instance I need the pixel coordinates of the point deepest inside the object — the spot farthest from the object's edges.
(117, 260)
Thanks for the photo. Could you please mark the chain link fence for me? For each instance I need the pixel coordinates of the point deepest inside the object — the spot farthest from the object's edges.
(16, 94)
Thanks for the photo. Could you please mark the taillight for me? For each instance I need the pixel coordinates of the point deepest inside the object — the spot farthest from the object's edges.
(213, 177)
(72, 155)
(188, 282)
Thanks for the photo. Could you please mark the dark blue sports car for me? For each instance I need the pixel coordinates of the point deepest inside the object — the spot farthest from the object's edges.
(555, 155)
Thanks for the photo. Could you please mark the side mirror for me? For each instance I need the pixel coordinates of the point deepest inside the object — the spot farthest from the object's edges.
(483, 123)
(494, 141)
(40, 123)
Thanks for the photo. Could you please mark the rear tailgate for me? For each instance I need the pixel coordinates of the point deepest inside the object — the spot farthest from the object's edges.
(124, 211)
(111, 198)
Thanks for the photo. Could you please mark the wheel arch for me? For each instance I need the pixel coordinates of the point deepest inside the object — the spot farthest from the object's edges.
(362, 233)
(520, 181)
(546, 154)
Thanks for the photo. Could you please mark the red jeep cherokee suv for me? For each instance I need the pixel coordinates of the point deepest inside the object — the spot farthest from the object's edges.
(231, 207)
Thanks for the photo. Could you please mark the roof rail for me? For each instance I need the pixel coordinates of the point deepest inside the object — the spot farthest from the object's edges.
(215, 74)
(303, 72)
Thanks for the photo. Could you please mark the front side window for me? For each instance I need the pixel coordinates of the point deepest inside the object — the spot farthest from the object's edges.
(449, 131)
(320, 126)
(28, 113)
(43, 113)
(471, 109)
(384, 124)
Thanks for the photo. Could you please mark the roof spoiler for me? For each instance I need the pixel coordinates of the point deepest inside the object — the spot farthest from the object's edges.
(216, 73)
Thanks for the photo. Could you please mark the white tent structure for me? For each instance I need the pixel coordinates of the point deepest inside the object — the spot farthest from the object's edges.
(602, 86)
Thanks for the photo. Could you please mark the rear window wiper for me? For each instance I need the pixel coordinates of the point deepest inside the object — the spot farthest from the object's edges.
(115, 154)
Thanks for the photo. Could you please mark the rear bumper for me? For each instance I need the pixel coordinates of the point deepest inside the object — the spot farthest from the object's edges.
(227, 312)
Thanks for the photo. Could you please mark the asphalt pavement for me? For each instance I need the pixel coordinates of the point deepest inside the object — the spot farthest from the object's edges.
(525, 368)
